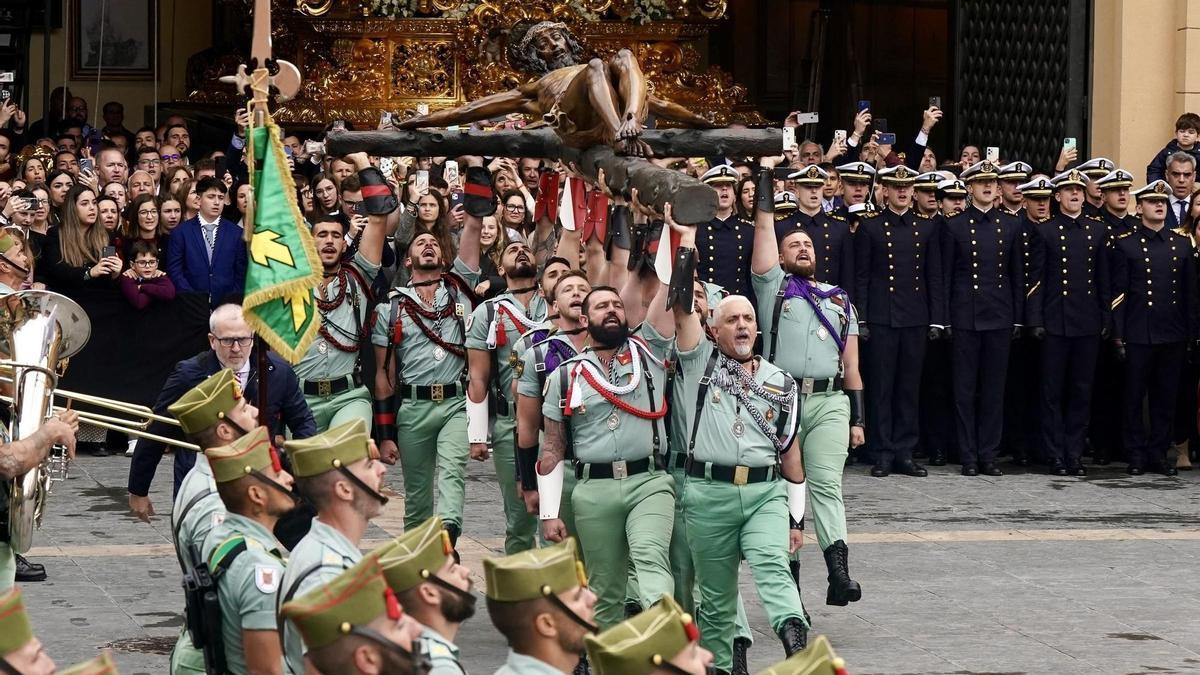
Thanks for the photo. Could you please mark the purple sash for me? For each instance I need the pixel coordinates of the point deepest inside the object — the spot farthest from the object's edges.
(799, 288)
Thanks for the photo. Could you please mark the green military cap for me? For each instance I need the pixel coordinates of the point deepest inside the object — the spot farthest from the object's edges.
(416, 555)
(817, 659)
(638, 646)
(341, 446)
(356, 597)
(208, 402)
(100, 665)
(533, 574)
(15, 631)
(252, 452)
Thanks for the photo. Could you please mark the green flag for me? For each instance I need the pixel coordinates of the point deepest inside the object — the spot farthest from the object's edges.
(282, 268)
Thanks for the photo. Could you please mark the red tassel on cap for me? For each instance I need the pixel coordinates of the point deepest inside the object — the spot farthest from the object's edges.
(394, 612)
(275, 462)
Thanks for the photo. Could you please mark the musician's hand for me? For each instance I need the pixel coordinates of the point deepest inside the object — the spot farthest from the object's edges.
(795, 540)
(141, 507)
(479, 452)
(389, 452)
(61, 430)
(554, 529)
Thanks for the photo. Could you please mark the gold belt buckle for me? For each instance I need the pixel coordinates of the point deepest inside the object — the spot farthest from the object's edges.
(324, 388)
(741, 475)
(436, 392)
(620, 470)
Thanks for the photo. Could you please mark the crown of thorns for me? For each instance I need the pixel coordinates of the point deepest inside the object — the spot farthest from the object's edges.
(537, 30)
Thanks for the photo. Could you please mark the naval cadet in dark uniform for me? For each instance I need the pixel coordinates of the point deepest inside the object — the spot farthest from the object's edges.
(1154, 324)
(1095, 169)
(830, 232)
(724, 244)
(785, 212)
(937, 428)
(1020, 436)
(857, 178)
(981, 254)
(1114, 190)
(899, 296)
(1067, 309)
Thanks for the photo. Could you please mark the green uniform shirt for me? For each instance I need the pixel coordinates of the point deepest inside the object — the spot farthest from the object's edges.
(204, 515)
(532, 378)
(592, 434)
(318, 558)
(324, 361)
(810, 350)
(481, 335)
(443, 654)
(247, 589)
(520, 664)
(717, 438)
(418, 354)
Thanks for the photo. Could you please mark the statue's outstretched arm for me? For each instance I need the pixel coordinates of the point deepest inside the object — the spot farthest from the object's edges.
(513, 100)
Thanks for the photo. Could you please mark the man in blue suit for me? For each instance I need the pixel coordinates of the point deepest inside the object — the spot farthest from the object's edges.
(206, 254)
(231, 341)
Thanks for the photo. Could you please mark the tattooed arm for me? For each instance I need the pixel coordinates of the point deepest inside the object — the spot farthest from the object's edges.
(22, 455)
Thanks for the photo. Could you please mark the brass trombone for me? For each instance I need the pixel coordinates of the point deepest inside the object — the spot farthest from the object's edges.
(139, 420)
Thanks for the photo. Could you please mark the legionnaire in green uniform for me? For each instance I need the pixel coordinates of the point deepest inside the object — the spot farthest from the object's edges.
(542, 351)
(101, 664)
(420, 375)
(492, 331)
(337, 472)
(818, 659)
(22, 456)
(540, 602)
(353, 624)
(663, 640)
(420, 568)
(211, 414)
(245, 559)
(743, 466)
(329, 371)
(605, 404)
(818, 324)
(20, 651)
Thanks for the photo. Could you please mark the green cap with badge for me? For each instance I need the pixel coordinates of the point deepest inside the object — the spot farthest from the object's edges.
(356, 597)
(250, 453)
(416, 555)
(15, 631)
(638, 646)
(208, 402)
(536, 573)
(817, 659)
(341, 446)
(100, 665)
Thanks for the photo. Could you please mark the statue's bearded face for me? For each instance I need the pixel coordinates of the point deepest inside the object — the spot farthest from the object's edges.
(552, 47)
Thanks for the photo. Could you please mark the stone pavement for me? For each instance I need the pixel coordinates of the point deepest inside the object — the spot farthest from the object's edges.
(1021, 574)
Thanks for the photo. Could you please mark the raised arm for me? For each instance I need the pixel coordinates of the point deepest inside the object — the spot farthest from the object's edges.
(687, 327)
(370, 244)
(765, 255)
(468, 241)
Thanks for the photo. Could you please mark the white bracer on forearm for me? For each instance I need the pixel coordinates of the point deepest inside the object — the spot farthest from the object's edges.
(550, 489)
(477, 420)
(796, 493)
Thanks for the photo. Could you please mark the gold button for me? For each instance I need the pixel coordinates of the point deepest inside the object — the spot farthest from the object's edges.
(976, 287)
(1149, 304)
(891, 290)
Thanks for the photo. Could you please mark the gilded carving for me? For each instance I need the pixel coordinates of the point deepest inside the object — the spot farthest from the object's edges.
(422, 69)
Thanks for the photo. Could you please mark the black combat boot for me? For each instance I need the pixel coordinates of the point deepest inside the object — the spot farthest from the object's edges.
(741, 645)
(794, 636)
(795, 567)
(842, 589)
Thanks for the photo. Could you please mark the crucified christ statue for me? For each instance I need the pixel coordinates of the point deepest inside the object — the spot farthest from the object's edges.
(593, 103)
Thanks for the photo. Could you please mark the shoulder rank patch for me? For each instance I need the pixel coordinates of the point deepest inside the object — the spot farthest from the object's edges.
(1125, 234)
(835, 216)
(266, 578)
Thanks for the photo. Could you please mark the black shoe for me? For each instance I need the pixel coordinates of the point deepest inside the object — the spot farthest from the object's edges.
(27, 571)
(1134, 470)
(101, 451)
(910, 468)
(794, 636)
(880, 471)
(842, 589)
(937, 458)
(969, 470)
(1165, 469)
(1021, 460)
(1078, 471)
(990, 470)
(740, 647)
(1057, 469)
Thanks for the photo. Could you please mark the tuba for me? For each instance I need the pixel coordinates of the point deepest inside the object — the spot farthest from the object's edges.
(38, 329)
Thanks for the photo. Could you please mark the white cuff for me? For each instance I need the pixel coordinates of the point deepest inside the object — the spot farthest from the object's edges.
(857, 208)
(922, 138)
(795, 494)
(477, 420)
(550, 488)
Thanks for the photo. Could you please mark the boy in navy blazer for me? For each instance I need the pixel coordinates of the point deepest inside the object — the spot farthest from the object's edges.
(207, 254)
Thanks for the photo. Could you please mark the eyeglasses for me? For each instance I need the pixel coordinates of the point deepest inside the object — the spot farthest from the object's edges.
(152, 212)
(153, 262)
(169, 158)
(243, 342)
(514, 208)
(152, 162)
(350, 203)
